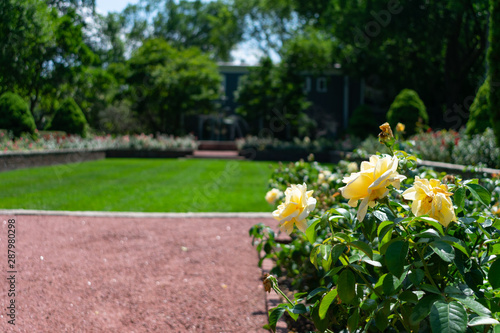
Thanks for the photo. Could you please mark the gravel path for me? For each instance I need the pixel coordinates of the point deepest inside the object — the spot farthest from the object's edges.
(103, 274)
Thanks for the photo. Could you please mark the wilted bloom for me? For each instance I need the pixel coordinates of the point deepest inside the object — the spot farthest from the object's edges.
(432, 198)
(400, 127)
(386, 136)
(273, 195)
(352, 167)
(371, 182)
(297, 206)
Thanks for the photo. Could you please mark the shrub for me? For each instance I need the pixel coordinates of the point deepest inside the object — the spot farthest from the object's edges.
(408, 109)
(15, 115)
(69, 118)
(362, 118)
(494, 67)
(479, 118)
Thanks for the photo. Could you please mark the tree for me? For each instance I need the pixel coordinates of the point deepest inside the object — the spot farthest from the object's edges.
(258, 94)
(494, 67)
(167, 83)
(214, 27)
(434, 47)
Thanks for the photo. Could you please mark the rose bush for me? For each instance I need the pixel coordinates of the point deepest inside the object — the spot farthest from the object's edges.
(422, 256)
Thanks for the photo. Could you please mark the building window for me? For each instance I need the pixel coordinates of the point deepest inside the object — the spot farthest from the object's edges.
(321, 86)
(307, 85)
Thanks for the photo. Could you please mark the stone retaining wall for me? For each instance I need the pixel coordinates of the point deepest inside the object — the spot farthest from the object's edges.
(29, 159)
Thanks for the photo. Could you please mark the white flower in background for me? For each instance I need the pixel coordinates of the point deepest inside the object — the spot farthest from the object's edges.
(324, 176)
(352, 167)
(297, 206)
(273, 195)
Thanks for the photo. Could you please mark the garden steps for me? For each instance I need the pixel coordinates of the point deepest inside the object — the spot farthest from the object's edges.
(217, 145)
(217, 154)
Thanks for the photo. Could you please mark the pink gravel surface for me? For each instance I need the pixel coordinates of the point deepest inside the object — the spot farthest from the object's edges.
(95, 274)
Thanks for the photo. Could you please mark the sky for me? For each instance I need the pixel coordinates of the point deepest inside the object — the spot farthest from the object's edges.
(105, 6)
(244, 52)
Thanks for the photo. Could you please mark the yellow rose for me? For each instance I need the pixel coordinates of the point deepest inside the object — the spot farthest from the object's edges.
(273, 195)
(297, 206)
(432, 198)
(400, 127)
(371, 182)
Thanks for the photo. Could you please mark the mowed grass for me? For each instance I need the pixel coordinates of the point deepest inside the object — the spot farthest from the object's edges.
(140, 185)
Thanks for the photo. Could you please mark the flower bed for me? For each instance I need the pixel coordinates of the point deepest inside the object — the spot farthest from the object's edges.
(59, 140)
(445, 146)
(58, 148)
(388, 247)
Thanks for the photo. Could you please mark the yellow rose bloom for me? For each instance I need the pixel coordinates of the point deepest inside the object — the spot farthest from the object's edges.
(432, 198)
(371, 182)
(400, 127)
(273, 195)
(297, 206)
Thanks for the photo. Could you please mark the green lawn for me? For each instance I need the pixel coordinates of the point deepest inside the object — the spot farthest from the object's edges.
(140, 185)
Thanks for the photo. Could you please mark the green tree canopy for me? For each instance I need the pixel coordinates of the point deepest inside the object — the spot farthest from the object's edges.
(214, 27)
(168, 83)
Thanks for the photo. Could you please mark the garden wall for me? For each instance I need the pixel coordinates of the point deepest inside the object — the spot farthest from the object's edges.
(28, 159)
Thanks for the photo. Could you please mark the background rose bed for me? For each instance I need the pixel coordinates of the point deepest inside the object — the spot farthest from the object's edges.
(430, 265)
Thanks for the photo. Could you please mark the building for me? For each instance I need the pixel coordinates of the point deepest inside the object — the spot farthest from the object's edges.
(333, 96)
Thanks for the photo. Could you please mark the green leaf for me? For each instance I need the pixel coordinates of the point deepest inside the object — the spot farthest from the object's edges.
(363, 247)
(391, 284)
(353, 321)
(324, 253)
(337, 252)
(480, 193)
(346, 286)
(408, 296)
(459, 198)
(430, 288)
(369, 305)
(448, 317)
(423, 308)
(477, 307)
(477, 321)
(395, 257)
(417, 276)
(326, 302)
(432, 222)
(274, 316)
(299, 309)
(444, 250)
(315, 292)
(494, 274)
(311, 231)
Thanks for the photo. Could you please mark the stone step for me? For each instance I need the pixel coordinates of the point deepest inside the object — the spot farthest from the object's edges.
(216, 145)
(217, 154)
